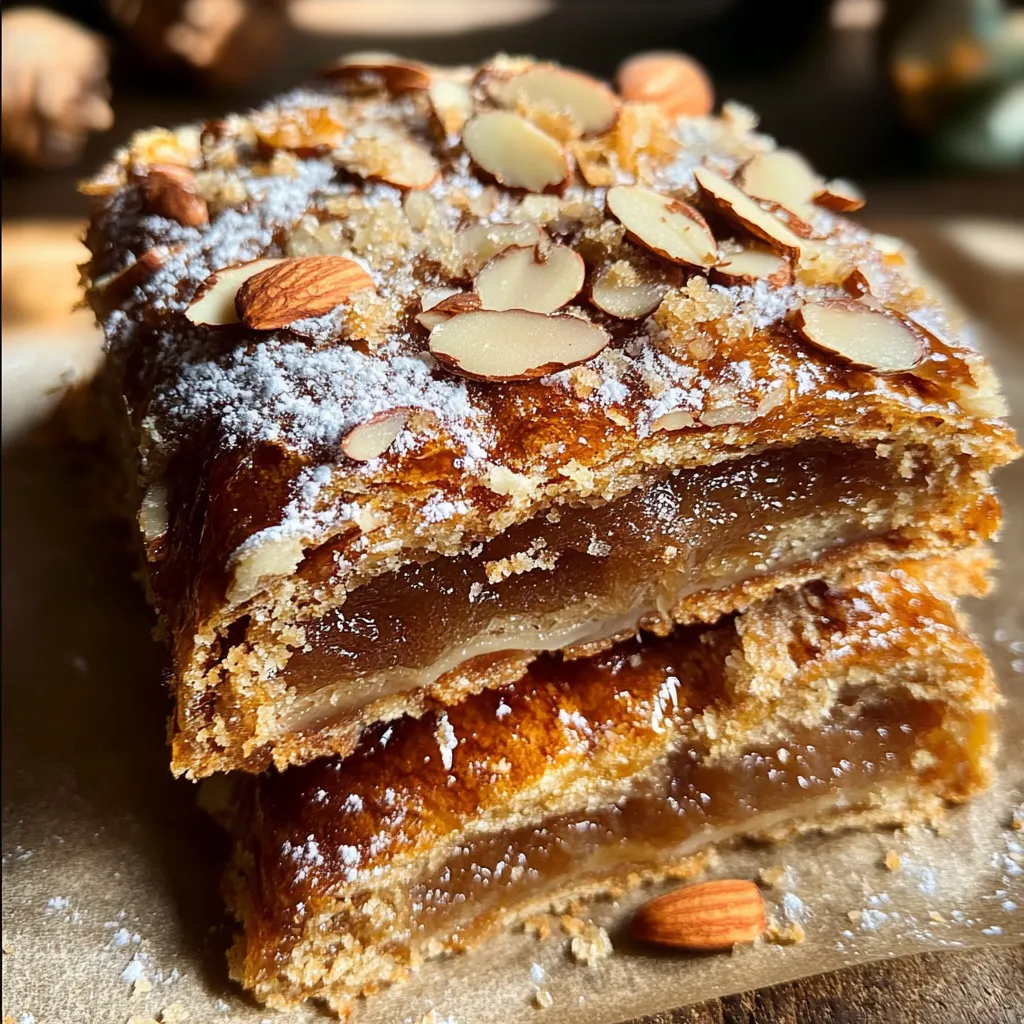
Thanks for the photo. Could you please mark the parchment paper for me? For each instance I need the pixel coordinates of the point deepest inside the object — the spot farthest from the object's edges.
(111, 905)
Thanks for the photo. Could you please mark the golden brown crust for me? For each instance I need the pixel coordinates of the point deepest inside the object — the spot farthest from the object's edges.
(334, 847)
(233, 438)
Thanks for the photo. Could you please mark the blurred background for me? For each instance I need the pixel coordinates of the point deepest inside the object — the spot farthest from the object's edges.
(920, 101)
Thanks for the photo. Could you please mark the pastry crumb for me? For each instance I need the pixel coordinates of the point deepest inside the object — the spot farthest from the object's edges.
(173, 1014)
(591, 945)
(789, 934)
(543, 998)
(538, 926)
(892, 860)
(773, 876)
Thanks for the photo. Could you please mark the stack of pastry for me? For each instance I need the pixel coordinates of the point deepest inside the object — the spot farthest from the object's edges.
(538, 486)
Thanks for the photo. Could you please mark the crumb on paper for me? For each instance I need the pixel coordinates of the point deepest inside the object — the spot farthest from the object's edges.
(892, 860)
(142, 987)
(173, 1014)
(136, 1019)
(591, 945)
(542, 998)
(785, 933)
(773, 876)
(538, 926)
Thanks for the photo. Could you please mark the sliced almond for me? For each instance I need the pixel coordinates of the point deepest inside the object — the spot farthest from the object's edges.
(785, 178)
(529, 278)
(375, 436)
(515, 152)
(675, 82)
(862, 281)
(753, 265)
(871, 339)
(480, 242)
(514, 344)
(452, 105)
(590, 103)
(299, 288)
(446, 308)
(734, 203)
(672, 229)
(169, 190)
(305, 131)
(629, 292)
(398, 160)
(399, 74)
(679, 419)
(707, 916)
(840, 196)
(116, 288)
(214, 301)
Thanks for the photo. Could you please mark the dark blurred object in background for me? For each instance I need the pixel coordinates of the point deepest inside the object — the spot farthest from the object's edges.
(55, 87)
(958, 66)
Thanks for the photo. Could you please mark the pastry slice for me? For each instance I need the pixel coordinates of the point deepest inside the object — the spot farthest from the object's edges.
(860, 704)
(413, 380)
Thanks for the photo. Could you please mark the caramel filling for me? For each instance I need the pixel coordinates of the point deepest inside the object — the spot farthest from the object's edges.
(857, 751)
(578, 575)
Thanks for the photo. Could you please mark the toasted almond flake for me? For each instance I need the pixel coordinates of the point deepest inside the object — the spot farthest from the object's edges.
(479, 243)
(728, 414)
(514, 344)
(872, 339)
(115, 288)
(531, 278)
(213, 304)
(515, 152)
(590, 103)
(672, 229)
(680, 419)
(400, 161)
(169, 190)
(840, 196)
(735, 204)
(862, 281)
(673, 81)
(452, 105)
(430, 297)
(628, 292)
(783, 177)
(399, 74)
(298, 288)
(752, 265)
(375, 436)
(446, 308)
(304, 131)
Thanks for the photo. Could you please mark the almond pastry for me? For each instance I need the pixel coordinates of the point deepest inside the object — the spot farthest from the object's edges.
(485, 403)
(742, 424)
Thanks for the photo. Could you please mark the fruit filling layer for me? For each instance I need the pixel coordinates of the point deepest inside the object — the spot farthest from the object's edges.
(579, 575)
(857, 752)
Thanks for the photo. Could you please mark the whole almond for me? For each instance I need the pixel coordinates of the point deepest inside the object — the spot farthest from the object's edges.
(673, 81)
(170, 191)
(707, 916)
(298, 288)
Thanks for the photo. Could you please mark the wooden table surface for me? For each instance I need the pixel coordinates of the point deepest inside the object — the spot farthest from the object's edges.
(977, 987)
